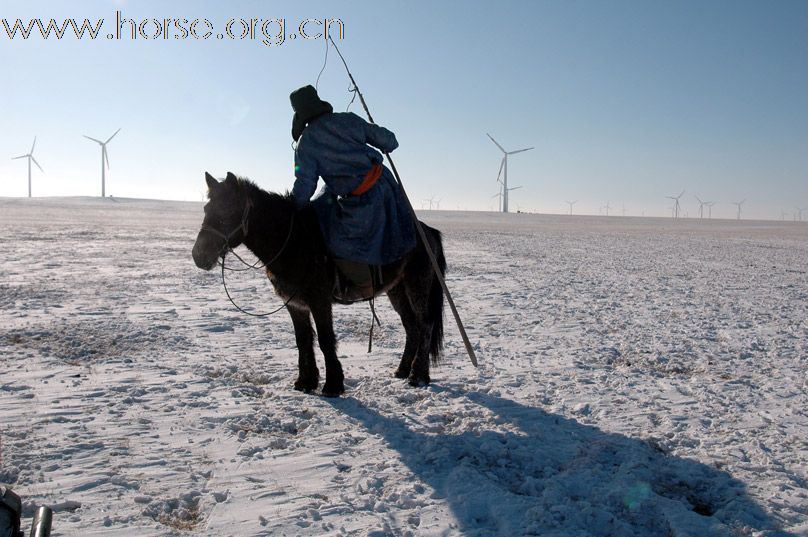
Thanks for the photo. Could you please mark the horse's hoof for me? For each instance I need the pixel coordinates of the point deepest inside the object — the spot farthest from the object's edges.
(333, 391)
(419, 381)
(306, 384)
(401, 373)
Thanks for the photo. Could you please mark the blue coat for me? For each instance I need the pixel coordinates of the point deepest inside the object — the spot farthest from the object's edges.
(376, 227)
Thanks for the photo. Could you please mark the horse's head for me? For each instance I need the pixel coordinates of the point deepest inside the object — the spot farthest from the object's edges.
(225, 223)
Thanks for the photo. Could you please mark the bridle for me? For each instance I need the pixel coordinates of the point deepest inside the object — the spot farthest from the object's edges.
(243, 227)
(226, 249)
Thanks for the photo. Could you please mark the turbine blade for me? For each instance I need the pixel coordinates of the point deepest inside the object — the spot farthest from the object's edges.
(497, 143)
(520, 150)
(106, 155)
(33, 145)
(37, 164)
(501, 165)
(513, 187)
(93, 139)
(21, 156)
(113, 136)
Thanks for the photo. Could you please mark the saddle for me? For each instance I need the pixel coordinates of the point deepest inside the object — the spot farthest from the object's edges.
(354, 281)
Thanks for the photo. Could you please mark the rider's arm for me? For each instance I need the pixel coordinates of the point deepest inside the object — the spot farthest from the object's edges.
(378, 137)
(381, 138)
(305, 178)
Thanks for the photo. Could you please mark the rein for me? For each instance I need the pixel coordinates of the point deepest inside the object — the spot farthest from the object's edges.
(226, 248)
(267, 314)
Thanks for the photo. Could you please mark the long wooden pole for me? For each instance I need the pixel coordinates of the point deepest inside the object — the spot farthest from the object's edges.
(418, 226)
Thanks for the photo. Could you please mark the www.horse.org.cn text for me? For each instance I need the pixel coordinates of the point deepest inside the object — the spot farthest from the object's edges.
(271, 32)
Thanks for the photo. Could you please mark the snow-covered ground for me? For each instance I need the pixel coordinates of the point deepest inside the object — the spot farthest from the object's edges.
(637, 377)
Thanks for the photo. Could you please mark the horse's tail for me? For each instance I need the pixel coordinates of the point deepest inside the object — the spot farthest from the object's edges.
(435, 312)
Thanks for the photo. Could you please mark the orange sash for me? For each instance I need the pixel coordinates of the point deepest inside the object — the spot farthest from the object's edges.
(369, 180)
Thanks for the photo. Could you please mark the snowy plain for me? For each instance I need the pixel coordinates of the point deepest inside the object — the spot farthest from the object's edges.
(638, 377)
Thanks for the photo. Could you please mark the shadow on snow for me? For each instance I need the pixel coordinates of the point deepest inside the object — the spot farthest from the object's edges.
(557, 477)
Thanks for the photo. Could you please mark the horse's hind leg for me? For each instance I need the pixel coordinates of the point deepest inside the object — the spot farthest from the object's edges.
(419, 375)
(401, 304)
(411, 300)
(308, 374)
(334, 378)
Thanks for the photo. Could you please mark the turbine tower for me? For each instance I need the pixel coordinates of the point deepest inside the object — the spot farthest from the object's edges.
(504, 165)
(30, 157)
(739, 203)
(676, 206)
(571, 203)
(104, 159)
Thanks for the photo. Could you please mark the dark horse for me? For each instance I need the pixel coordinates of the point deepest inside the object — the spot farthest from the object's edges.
(290, 243)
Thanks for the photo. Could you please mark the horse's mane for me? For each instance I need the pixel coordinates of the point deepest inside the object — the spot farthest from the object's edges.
(258, 194)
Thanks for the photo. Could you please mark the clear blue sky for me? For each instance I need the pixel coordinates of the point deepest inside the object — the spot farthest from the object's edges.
(624, 101)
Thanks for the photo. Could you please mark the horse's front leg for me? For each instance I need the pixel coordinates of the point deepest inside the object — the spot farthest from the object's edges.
(308, 375)
(334, 378)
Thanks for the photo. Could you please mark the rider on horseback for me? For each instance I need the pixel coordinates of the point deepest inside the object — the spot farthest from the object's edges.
(363, 214)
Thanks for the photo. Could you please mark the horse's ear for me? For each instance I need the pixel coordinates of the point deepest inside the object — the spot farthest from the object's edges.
(231, 177)
(211, 181)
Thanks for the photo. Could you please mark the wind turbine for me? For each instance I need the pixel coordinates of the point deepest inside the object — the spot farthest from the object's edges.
(571, 203)
(799, 213)
(104, 159)
(504, 165)
(701, 206)
(430, 201)
(709, 205)
(676, 203)
(607, 207)
(499, 201)
(30, 157)
(739, 203)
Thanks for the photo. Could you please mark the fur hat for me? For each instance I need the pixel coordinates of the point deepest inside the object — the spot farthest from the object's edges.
(307, 106)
